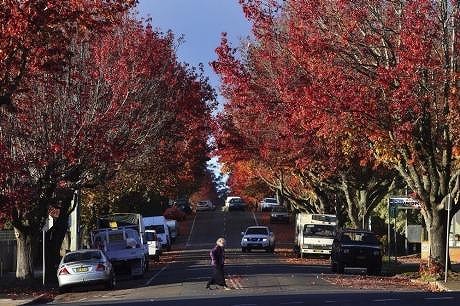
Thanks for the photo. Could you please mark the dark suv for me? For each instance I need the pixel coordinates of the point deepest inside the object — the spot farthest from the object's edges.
(356, 248)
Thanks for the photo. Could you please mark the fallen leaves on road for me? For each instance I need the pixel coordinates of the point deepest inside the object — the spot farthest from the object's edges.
(396, 283)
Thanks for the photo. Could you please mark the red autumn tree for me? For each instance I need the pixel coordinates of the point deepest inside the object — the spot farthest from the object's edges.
(391, 68)
(35, 36)
(121, 98)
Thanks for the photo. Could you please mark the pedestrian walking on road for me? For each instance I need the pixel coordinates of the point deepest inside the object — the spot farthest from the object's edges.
(217, 262)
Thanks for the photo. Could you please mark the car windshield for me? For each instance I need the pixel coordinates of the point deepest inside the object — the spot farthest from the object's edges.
(81, 256)
(203, 203)
(236, 200)
(256, 231)
(279, 209)
(270, 200)
(150, 236)
(159, 229)
(360, 237)
(318, 230)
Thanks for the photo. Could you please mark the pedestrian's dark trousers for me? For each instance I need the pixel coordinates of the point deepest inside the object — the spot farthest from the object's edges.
(218, 277)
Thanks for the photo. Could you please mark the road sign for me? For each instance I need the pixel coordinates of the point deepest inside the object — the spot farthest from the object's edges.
(404, 203)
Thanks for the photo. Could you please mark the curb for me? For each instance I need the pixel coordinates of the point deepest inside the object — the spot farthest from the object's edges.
(441, 286)
(41, 299)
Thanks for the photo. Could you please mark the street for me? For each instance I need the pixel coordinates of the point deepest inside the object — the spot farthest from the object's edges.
(257, 278)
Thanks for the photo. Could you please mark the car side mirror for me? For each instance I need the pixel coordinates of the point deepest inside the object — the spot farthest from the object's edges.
(242, 233)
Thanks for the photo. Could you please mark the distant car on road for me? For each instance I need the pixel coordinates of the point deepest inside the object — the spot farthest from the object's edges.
(204, 205)
(258, 237)
(268, 204)
(356, 248)
(280, 214)
(84, 267)
(234, 203)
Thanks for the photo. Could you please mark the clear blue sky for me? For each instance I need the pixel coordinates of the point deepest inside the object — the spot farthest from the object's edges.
(201, 22)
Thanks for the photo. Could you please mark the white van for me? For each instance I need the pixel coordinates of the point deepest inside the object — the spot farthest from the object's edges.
(158, 224)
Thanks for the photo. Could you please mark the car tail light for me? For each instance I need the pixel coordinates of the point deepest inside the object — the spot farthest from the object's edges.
(100, 267)
(63, 271)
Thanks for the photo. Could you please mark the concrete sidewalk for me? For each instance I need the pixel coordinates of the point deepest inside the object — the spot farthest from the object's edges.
(451, 285)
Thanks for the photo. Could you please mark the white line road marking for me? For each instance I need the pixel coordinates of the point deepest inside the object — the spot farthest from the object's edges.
(292, 303)
(244, 305)
(330, 301)
(255, 219)
(156, 274)
(191, 231)
(440, 298)
(386, 300)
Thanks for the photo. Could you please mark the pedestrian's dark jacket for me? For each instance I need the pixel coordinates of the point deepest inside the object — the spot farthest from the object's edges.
(217, 256)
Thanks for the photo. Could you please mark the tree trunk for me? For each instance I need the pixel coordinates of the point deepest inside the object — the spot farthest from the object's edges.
(24, 263)
(437, 237)
(54, 238)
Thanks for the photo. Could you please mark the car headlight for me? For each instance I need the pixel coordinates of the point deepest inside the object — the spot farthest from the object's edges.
(345, 251)
(264, 239)
(245, 239)
(376, 253)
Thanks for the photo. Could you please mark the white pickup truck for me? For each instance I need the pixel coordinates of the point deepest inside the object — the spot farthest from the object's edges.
(121, 237)
(123, 248)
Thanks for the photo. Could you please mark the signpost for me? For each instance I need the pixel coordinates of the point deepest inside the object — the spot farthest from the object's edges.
(393, 205)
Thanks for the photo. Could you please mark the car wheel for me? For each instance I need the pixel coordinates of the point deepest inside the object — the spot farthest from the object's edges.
(156, 258)
(243, 250)
(111, 283)
(147, 265)
(248, 250)
(63, 289)
(374, 270)
(168, 247)
(333, 267)
(340, 267)
(272, 249)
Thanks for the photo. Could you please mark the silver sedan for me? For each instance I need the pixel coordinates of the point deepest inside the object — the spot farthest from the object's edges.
(85, 267)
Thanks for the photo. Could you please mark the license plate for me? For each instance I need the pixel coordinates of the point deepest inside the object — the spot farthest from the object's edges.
(81, 269)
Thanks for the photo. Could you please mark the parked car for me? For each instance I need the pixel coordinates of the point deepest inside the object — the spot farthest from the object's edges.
(204, 205)
(154, 244)
(356, 248)
(173, 227)
(258, 237)
(84, 267)
(280, 214)
(158, 224)
(267, 204)
(234, 203)
(174, 213)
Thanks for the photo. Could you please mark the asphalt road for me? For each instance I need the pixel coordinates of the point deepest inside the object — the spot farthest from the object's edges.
(258, 278)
